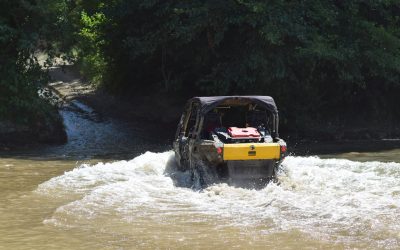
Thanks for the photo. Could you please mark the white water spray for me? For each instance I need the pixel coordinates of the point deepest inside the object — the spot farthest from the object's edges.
(331, 199)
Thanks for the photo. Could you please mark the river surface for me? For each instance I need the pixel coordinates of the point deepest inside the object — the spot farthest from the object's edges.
(113, 186)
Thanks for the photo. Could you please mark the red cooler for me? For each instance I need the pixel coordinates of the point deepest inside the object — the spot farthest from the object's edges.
(248, 132)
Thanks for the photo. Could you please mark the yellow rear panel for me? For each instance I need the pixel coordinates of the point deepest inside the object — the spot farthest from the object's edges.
(251, 151)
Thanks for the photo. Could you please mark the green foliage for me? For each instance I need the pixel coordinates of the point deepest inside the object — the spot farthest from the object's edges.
(325, 59)
(24, 29)
(90, 43)
(321, 59)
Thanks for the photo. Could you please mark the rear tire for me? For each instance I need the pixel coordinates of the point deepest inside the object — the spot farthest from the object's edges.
(203, 175)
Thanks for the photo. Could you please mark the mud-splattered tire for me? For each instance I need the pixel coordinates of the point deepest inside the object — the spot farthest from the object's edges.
(203, 175)
(197, 178)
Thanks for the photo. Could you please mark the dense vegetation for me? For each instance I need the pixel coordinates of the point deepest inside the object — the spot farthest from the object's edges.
(23, 25)
(331, 61)
(25, 28)
(335, 62)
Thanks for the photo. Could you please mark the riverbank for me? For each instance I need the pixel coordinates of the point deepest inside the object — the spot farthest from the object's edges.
(157, 116)
(48, 130)
(44, 128)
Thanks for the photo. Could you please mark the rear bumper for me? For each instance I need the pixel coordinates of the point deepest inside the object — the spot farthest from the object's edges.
(251, 151)
(251, 169)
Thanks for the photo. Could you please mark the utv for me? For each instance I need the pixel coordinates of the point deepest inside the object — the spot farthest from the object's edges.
(232, 139)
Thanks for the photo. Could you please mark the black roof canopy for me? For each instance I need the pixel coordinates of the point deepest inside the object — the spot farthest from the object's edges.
(209, 102)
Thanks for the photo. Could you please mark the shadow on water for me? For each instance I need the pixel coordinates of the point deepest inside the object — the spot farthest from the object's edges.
(92, 136)
(304, 148)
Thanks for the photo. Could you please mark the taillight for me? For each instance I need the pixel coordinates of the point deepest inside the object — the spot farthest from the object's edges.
(283, 148)
(219, 150)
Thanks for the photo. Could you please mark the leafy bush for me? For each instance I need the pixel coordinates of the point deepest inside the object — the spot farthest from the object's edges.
(90, 42)
(24, 29)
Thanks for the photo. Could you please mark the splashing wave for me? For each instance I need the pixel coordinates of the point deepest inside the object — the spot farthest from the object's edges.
(330, 198)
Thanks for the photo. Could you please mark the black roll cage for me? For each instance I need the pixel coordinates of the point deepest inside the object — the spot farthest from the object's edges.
(200, 113)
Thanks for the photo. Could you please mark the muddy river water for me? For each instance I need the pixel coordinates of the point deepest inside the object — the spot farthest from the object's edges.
(110, 188)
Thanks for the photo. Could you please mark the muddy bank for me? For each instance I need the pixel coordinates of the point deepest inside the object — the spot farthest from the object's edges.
(16, 135)
(164, 112)
(157, 116)
(47, 130)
